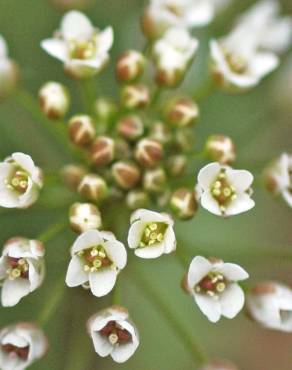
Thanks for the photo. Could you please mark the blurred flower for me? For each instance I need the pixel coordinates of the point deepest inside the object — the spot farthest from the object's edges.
(219, 365)
(54, 100)
(9, 73)
(93, 187)
(225, 191)
(113, 333)
(172, 54)
(81, 130)
(270, 304)
(20, 181)
(151, 234)
(213, 285)
(21, 345)
(22, 269)
(72, 175)
(278, 177)
(82, 48)
(184, 204)
(182, 112)
(220, 148)
(84, 216)
(97, 258)
(148, 152)
(130, 66)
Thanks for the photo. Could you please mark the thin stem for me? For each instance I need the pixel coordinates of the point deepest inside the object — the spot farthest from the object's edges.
(172, 318)
(206, 89)
(156, 95)
(52, 231)
(87, 94)
(116, 295)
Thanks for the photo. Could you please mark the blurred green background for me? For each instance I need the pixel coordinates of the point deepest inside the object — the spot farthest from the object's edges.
(261, 240)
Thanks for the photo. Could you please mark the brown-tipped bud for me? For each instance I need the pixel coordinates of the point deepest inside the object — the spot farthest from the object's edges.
(81, 130)
(176, 165)
(159, 131)
(84, 216)
(182, 112)
(169, 77)
(105, 109)
(126, 174)
(183, 203)
(130, 66)
(185, 139)
(54, 100)
(154, 180)
(102, 151)
(149, 152)
(150, 27)
(72, 175)
(135, 96)
(137, 199)
(219, 365)
(93, 187)
(130, 127)
(221, 148)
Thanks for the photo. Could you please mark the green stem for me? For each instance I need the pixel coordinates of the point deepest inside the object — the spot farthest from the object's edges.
(172, 318)
(156, 95)
(88, 94)
(206, 89)
(116, 295)
(52, 231)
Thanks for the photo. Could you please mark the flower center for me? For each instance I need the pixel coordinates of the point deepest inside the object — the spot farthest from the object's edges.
(95, 258)
(18, 182)
(236, 62)
(85, 49)
(115, 333)
(12, 350)
(212, 284)
(222, 191)
(153, 234)
(18, 268)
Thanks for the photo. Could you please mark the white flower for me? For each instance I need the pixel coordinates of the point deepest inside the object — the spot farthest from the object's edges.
(224, 191)
(20, 181)
(8, 71)
(278, 177)
(172, 54)
(97, 258)
(213, 284)
(151, 234)
(22, 269)
(21, 345)
(54, 100)
(270, 304)
(82, 48)
(113, 333)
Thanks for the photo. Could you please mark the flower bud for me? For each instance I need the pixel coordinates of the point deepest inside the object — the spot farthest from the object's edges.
(219, 365)
(220, 148)
(149, 152)
(135, 96)
(169, 78)
(183, 203)
(84, 216)
(154, 180)
(130, 66)
(81, 130)
(176, 165)
(150, 28)
(72, 175)
(136, 199)
(130, 127)
(105, 109)
(160, 132)
(93, 187)
(185, 139)
(54, 100)
(9, 77)
(126, 174)
(102, 151)
(182, 112)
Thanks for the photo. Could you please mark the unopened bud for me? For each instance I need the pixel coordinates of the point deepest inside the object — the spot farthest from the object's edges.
(219, 365)
(81, 130)
(159, 131)
(185, 139)
(9, 77)
(183, 203)
(137, 199)
(126, 174)
(93, 187)
(149, 152)
(84, 216)
(130, 66)
(182, 112)
(54, 100)
(102, 151)
(154, 180)
(176, 165)
(220, 148)
(169, 77)
(72, 175)
(105, 109)
(130, 127)
(150, 27)
(135, 96)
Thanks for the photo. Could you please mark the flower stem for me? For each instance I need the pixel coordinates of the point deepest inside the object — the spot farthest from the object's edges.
(116, 295)
(52, 231)
(194, 348)
(206, 89)
(88, 94)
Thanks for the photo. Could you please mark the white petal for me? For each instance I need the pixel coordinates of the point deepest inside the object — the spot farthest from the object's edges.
(123, 352)
(201, 14)
(56, 48)
(287, 196)
(210, 204)
(13, 291)
(105, 40)
(154, 251)
(149, 216)
(169, 240)
(209, 306)
(263, 63)
(199, 268)
(25, 161)
(135, 233)
(232, 301)
(75, 273)
(3, 48)
(208, 174)
(101, 344)
(89, 238)
(75, 25)
(240, 179)
(233, 272)
(35, 273)
(8, 198)
(102, 282)
(116, 252)
(242, 203)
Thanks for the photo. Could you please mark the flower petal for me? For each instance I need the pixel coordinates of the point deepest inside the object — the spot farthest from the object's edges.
(102, 282)
(89, 238)
(209, 306)
(199, 268)
(232, 300)
(105, 40)
(101, 344)
(154, 251)
(75, 273)
(209, 203)
(75, 25)
(135, 233)
(208, 174)
(240, 179)
(116, 252)
(13, 291)
(233, 272)
(242, 203)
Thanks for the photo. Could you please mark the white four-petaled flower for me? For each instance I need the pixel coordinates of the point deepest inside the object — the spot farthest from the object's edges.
(8, 71)
(21, 345)
(151, 234)
(97, 258)
(225, 191)
(213, 284)
(22, 269)
(82, 48)
(20, 181)
(113, 333)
